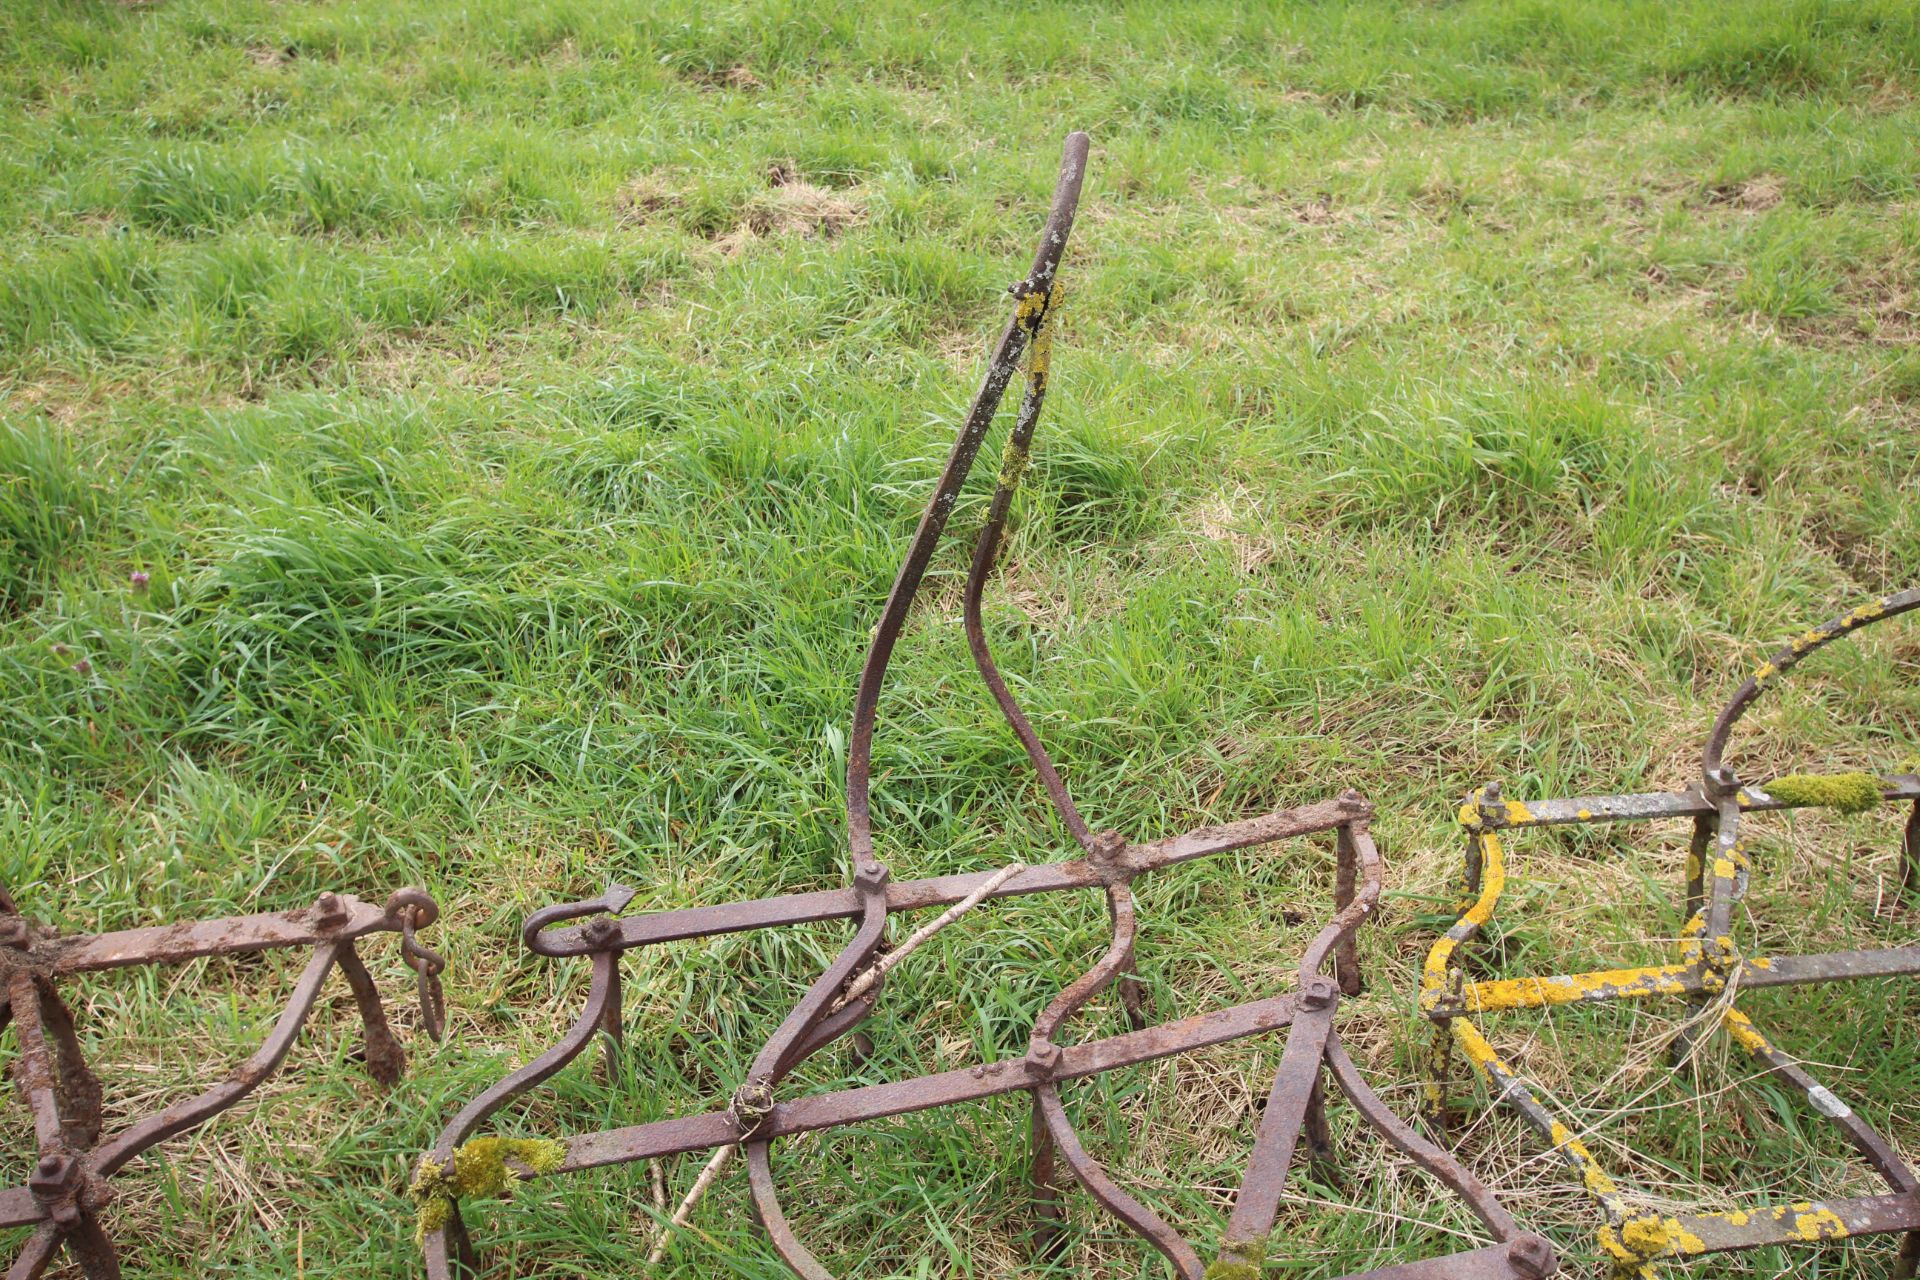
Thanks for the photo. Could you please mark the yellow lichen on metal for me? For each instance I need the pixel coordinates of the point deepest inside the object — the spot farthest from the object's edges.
(1040, 322)
(1013, 464)
(482, 1168)
(1031, 308)
(1810, 1223)
(1493, 882)
(1865, 613)
(1517, 813)
(1598, 1184)
(1035, 313)
(1841, 792)
(1477, 1050)
(1572, 988)
(1239, 1260)
(1648, 1236)
(1683, 1240)
(1745, 1034)
(1625, 1265)
(1804, 1220)
(1439, 1060)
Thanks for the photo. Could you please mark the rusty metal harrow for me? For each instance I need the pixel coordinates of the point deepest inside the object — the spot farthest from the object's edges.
(847, 992)
(69, 1187)
(1711, 973)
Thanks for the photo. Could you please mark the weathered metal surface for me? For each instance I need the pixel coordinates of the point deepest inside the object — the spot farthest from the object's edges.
(1711, 970)
(64, 1197)
(1312, 1064)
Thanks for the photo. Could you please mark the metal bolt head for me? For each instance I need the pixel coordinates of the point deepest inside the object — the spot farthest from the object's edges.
(329, 912)
(599, 931)
(53, 1173)
(871, 878)
(1532, 1257)
(1318, 993)
(1492, 810)
(1043, 1058)
(752, 1104)
(1107, 845)
(52, 1184)
(15, 932)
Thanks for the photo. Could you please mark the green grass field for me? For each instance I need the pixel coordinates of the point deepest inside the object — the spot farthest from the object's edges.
(520, 410)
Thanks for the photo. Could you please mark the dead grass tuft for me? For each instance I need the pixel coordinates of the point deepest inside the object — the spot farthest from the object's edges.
(641, 198)
(1224, 521)
(737, 78)
(794, 208)
(1755, 195)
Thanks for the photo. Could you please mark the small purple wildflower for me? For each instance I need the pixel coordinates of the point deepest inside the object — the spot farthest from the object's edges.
(84, 667)
(139, 579)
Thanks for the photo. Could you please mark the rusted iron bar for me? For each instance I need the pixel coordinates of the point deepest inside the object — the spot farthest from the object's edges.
(1312, 1063)
(65, 1196)
(1712, 970)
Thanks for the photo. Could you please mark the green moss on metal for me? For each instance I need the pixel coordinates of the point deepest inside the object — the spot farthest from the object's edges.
(480, 1169)
(1842, 792)
(1239, 1262)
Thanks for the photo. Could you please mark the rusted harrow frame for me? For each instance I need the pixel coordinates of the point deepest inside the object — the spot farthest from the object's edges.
(842, 998)
(1712, 971)
(63, 1198)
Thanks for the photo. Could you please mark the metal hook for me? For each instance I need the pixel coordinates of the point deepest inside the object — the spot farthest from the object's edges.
(612, 902)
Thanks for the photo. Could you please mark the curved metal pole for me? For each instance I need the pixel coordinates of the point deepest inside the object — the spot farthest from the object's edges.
(1035, 295)
(38, 1253)
(1781, 662)
(1043, 1054)
(797, 1035)
(438, 1244)
(987, 548)
(1405, 1139)
(1351, 914)
(1291, 1104)
(110, 1155)
(773, 1220)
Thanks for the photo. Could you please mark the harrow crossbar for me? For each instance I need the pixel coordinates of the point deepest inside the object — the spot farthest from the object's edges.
(948, 1088)
(919, 895)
